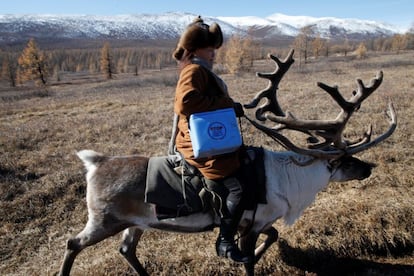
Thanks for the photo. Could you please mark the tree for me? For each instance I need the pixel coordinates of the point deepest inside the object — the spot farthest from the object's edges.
(347, 47)
(32, 64)
(410, 41)
(239, 54)
(361, 51)
(318, 44)
(8, 71)
(107, 66)
(399, 43)
(302, 43)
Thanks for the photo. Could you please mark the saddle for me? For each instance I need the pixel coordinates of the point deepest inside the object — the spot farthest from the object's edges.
(177, 188)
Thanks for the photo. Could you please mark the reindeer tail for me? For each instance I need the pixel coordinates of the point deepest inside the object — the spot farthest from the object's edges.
(90, 158)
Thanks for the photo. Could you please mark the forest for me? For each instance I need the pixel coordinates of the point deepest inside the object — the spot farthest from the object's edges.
(46, 66)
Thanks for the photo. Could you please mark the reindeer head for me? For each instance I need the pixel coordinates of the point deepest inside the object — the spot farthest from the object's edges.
(349, 168)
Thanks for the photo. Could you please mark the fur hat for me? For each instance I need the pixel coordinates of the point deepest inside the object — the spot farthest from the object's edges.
(198, 35)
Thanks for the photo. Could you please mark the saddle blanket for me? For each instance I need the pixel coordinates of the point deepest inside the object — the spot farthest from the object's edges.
(178, 194)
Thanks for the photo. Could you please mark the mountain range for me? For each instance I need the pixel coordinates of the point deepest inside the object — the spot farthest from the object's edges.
(15, 28)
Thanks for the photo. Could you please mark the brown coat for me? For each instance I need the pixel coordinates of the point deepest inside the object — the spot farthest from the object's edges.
(198, 91)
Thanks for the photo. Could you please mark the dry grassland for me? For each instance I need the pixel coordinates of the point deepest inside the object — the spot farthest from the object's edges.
(354, 228)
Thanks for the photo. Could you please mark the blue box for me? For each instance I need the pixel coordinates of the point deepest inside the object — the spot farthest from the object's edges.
(214, 132)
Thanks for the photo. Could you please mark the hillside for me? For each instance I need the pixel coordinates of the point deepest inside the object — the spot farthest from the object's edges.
(354, 228)
(17, 28)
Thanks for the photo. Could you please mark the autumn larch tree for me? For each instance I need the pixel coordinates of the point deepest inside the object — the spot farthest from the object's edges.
(361, 51)
(32, 64)
(399, 42)
(318, 44)
(107, 66)
(8, 71)
(302, 43)
(239, 54)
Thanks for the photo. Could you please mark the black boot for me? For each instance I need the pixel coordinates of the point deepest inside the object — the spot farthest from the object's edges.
(230, 193)
(225, 244)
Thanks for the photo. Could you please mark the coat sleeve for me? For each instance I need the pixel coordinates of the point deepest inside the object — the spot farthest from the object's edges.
(191, 93)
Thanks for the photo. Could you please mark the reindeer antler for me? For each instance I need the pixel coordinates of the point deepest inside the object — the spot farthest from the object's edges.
(334, 144)
(270, 92)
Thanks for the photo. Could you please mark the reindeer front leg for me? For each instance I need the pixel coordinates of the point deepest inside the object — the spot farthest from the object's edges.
(272, 236)
(247, 246)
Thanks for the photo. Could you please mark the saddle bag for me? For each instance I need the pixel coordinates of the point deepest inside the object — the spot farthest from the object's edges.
(214, 132)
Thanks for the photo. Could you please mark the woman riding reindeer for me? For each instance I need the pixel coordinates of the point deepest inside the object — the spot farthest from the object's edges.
(200, 90)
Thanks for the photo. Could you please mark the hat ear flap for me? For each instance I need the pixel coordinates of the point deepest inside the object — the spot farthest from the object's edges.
(216, 35)
(178, 53)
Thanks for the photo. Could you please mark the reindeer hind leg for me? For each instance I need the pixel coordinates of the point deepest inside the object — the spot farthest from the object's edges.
(93, 233)
(130, 239)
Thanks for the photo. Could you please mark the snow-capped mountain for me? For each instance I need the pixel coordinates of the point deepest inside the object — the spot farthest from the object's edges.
(327, 27)
(170, 25)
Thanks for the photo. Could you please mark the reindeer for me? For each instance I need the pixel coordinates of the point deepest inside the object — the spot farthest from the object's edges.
(116, 185)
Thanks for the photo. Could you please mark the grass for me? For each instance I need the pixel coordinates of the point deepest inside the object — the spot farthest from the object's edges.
(354, 228)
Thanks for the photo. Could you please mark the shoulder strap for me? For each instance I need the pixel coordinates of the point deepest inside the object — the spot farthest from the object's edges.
(172, 150)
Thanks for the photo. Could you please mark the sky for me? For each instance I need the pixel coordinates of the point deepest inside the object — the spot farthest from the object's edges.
(396, 12)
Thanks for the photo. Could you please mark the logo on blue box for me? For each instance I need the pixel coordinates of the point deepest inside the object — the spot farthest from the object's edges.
(217, 131)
